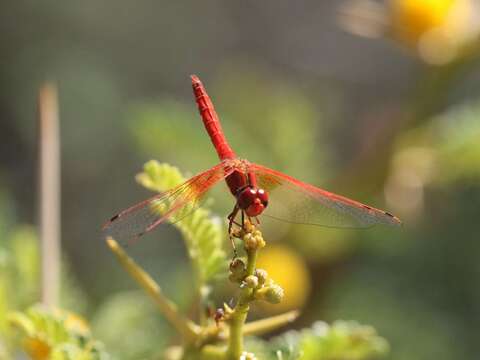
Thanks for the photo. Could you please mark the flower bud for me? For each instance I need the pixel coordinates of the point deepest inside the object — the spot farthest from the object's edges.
(262, 276)
(260, 242)
(238, 270)
(272, 294)
(248, 227)
(251, 281)
(237, 233)
(237, 266)
(248, 356)
(250, 242)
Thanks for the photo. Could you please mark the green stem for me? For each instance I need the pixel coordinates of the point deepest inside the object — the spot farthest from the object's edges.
(235, 343)
(189, 330)
(240, 312)
(272, 323)
(251, 261)
(212, 352)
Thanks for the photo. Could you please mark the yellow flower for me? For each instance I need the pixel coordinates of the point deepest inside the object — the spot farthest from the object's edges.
(288, 270)
(437, 30)
(36, 348)
(76, 323)
(44, 329)
(411, 19)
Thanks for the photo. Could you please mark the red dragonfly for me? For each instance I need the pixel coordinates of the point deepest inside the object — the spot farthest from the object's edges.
(257, 190)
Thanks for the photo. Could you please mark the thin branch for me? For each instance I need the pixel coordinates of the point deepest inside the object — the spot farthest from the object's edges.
(189, 330)
(263, 326)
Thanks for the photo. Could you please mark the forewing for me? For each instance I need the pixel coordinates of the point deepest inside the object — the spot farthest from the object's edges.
(172, 205)
(294, 201)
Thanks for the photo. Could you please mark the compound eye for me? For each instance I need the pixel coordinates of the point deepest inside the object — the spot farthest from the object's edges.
(263, 196)
(246, 198)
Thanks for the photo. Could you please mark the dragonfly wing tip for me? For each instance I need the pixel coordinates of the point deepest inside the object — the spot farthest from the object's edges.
(393, 219)
(107, 224)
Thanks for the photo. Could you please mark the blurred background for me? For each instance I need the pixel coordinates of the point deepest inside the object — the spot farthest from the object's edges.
(378, 101)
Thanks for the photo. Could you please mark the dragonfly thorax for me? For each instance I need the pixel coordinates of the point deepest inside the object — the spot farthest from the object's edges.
(252, 200)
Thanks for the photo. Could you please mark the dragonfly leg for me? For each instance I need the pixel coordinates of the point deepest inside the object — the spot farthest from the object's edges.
(231, 221)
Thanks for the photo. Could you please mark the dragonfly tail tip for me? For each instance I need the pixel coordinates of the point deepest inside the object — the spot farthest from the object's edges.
(195, 79)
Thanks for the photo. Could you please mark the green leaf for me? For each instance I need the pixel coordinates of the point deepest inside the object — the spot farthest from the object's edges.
(55, 334)
(26, 260)
(456, 135)
(203, 233)
(133, 312)
(346, 340)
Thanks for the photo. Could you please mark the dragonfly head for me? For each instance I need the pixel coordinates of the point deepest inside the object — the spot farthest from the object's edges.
(252, 200)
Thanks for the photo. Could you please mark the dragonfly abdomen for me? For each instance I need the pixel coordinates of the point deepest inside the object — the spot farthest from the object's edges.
(211, 121)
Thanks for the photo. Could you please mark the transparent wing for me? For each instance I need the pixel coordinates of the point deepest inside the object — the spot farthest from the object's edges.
(294, 201)
(172, 205)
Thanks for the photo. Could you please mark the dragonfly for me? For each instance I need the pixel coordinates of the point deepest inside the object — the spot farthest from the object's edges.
(257, 190)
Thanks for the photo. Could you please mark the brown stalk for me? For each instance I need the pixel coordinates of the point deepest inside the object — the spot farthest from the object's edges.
(49, 192)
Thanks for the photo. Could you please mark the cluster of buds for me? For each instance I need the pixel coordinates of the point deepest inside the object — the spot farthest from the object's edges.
(248, 356)
(253, 241)
(263, 287)
(266, 289)
(252, 238)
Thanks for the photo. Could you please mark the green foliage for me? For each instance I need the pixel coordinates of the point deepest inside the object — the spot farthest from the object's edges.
(345, 340)
(446, 149)
(166, 127)
(19, 273)
(56, 335)
(202, 232)
(456, 135)
(20, 279)
(129, 325)
(342, 340)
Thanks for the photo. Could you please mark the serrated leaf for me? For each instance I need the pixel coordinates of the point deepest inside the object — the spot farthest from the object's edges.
(203, 233)
(55, 334)
(346, 340)
(22, 322)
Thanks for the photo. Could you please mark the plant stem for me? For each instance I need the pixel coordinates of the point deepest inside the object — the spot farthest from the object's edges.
(235, 343)
(212, 352)
(251, 261)
(189, 330)
(49, 192)
(240, 312)
(272, 323)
